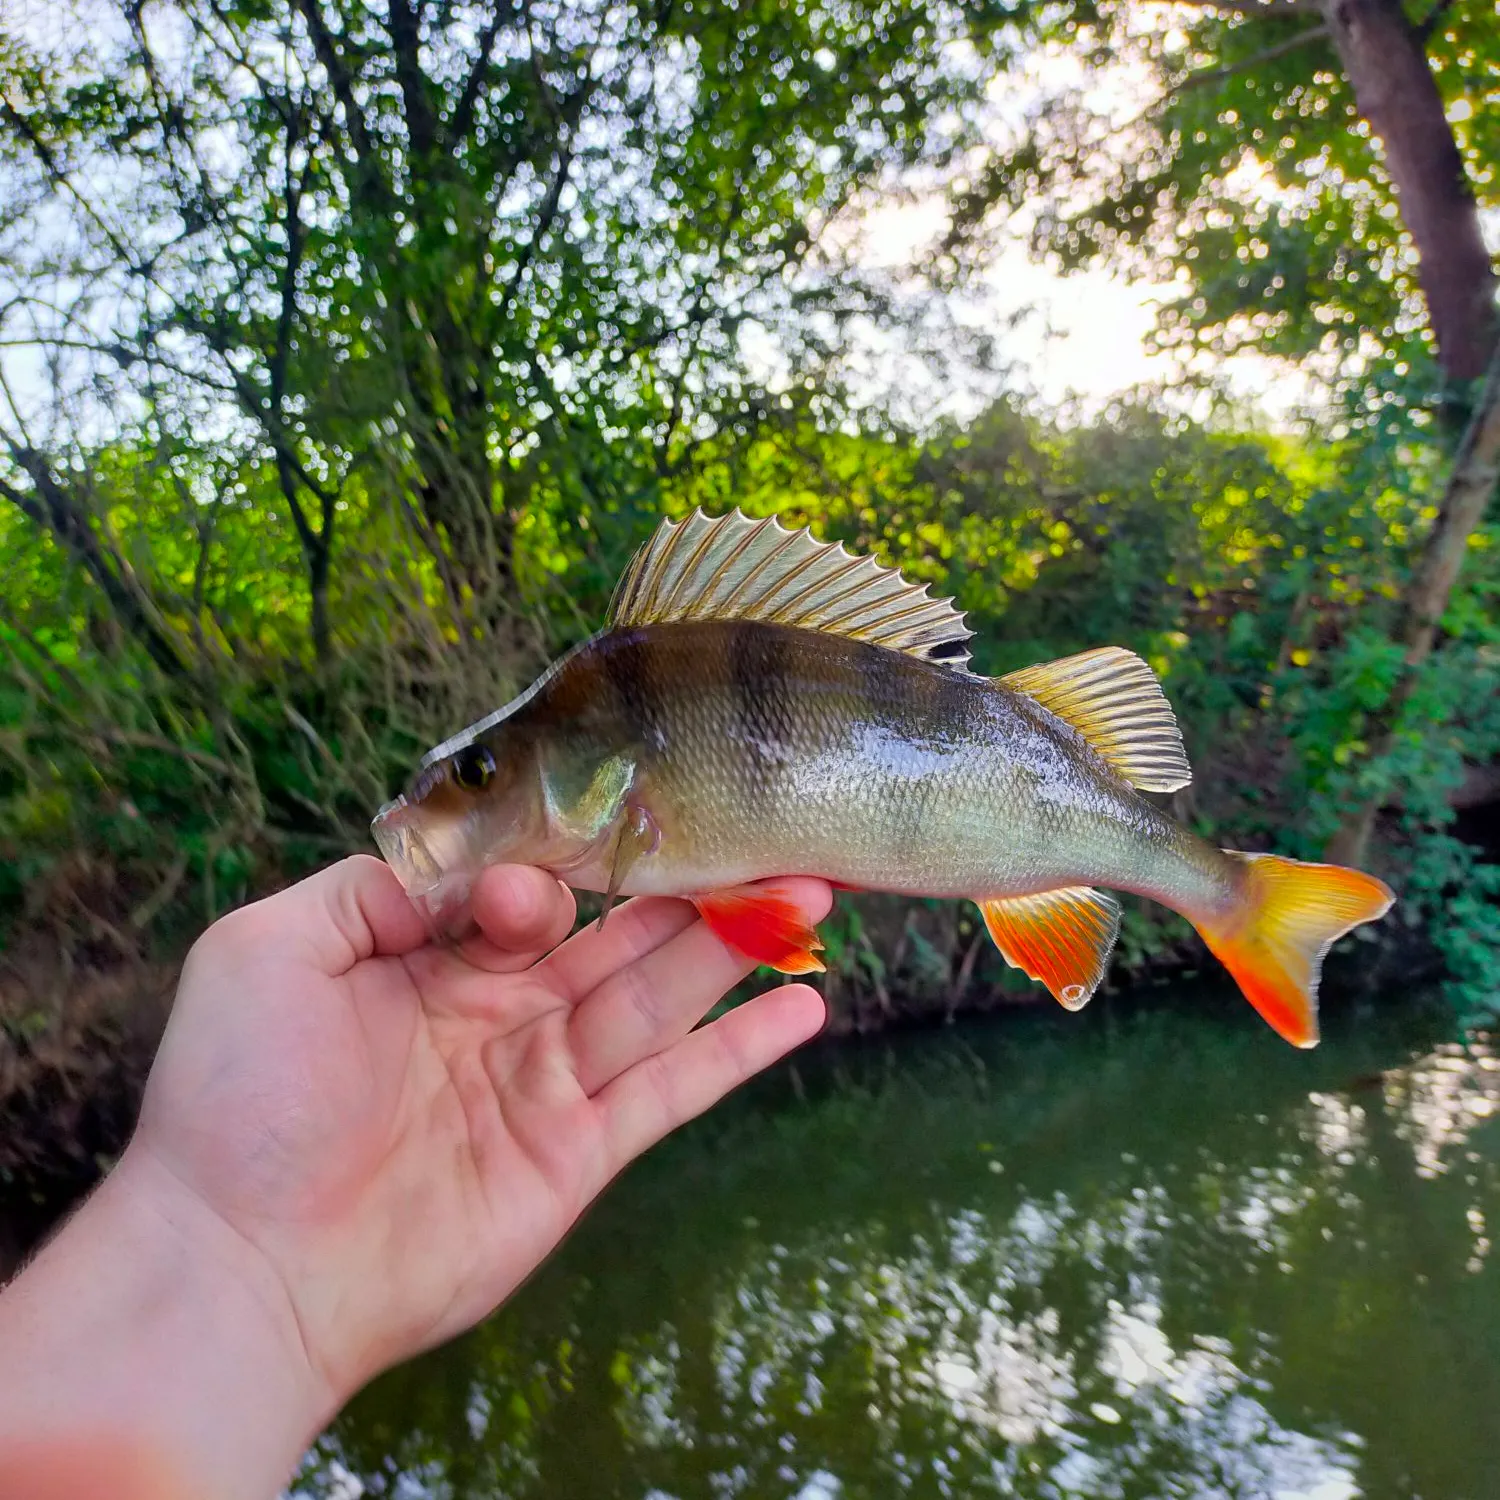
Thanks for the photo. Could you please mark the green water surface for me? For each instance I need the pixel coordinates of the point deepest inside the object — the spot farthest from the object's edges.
(1148, 1252)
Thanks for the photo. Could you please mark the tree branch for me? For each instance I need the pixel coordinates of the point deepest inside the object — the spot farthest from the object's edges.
(545, 217)
(565, 118)
(61, 181)
(171, 113)
(52, 509)
(462, 119)
(1429, 23)
(227, 47)
(316, 541)
(1471, 484)
(406, 48)
(1466, 497)
(1206, 76)
(340, 79)
(1254, 8)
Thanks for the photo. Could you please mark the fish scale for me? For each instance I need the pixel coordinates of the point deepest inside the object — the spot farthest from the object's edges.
(763, 704)
(839, 773)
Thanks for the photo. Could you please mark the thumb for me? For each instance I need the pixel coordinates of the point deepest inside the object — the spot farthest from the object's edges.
(353, 910)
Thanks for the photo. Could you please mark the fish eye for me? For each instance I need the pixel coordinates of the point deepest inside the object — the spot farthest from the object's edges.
(473, 768)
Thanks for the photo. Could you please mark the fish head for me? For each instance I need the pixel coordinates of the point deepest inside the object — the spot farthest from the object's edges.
(475, 800)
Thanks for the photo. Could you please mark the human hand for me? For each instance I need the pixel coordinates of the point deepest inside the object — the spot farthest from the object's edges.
(378, 1140)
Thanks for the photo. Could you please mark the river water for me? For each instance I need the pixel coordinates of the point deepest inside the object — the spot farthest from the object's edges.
(1146, 1252)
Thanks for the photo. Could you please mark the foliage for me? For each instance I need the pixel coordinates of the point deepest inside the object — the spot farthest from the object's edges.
(346, 353)
(1238, 172)
(1238, 564)
(492, 260)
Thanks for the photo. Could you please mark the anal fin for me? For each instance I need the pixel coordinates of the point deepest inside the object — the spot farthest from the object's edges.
(1061, 937)
(765, 924)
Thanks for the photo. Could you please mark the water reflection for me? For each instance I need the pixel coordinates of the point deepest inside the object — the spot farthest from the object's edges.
(1170, 1259)
(1442, 1099)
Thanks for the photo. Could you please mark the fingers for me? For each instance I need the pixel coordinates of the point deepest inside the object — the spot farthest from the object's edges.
(351, 911)
(630, 932)
(648, 1005)
(669, 1088)
(522, 913)
(356, 909)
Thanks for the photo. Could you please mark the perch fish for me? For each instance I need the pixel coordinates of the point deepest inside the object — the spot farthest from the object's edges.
(762, 704)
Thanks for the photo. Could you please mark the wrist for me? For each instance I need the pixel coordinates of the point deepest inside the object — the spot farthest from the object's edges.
(229, 1285)
(150, 1317)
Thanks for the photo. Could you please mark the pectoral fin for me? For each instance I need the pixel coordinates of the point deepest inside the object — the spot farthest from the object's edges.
(638, 835)
(764, 924)
(1062, 938)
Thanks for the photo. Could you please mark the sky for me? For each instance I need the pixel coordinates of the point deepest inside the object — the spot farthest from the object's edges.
(1081, 336)
(1076, 337)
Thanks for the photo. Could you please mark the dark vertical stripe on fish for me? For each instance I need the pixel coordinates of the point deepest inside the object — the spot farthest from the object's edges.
(954, 716)
(956, 710)
(758, 676)
(874, 698)
(941, 707)
(627, 669)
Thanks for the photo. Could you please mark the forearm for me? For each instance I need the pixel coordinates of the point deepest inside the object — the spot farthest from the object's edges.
(147, 1346)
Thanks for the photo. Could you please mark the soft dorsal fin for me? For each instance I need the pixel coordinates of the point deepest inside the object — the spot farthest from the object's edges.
(1061, 937)
(1112, 698)
(734, 568)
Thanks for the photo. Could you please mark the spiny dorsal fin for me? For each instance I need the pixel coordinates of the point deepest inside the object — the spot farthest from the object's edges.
(734, 568)
(1112, 698)
(1061, 937)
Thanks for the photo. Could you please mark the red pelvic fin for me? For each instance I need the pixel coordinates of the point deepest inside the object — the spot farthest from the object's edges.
(764, 924)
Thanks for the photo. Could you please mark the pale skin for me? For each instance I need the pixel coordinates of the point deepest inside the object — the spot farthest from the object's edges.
(353, 1146)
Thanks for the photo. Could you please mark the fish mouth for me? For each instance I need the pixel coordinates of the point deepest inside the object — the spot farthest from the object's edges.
(405, 850)
(442, 896)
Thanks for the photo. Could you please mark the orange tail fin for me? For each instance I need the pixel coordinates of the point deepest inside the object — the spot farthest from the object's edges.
(1291, 915)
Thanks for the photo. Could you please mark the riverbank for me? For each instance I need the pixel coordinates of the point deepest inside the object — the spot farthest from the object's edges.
(73, 1062)
(77, 1041)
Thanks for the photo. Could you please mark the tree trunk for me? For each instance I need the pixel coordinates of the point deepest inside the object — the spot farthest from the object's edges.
(450, 424)
(1383, 58)
(450, 433)
(1394, 89)
(1476, 470)
(54, 510)
(317, 583)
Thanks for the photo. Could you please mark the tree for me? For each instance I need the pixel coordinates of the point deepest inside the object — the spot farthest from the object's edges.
(1276, 170)
(1384, 59)
(1311, 173)
(461, 251)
